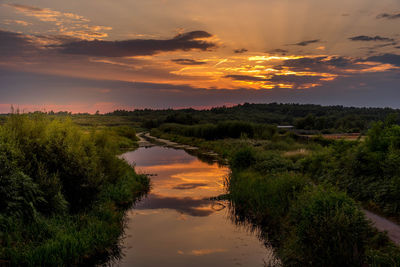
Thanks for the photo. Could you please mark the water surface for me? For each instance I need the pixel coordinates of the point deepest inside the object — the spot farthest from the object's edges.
(177, 224)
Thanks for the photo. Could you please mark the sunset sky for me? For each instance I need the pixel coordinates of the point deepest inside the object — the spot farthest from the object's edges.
(90, 55)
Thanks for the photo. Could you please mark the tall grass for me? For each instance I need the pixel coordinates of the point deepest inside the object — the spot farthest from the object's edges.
(227, 129)
(63, 190)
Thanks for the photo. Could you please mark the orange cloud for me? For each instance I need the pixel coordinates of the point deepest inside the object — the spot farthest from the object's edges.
(67, 23)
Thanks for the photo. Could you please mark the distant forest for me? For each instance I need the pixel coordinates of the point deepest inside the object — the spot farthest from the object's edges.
(305, 118)
(326, 119)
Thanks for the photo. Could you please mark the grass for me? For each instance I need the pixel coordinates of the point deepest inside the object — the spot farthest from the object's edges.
(65, 191)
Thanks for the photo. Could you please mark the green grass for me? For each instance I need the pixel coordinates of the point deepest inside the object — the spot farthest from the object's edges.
(63, 191)
(66, 240)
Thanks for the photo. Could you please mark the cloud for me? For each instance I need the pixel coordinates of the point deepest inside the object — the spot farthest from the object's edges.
(279, 51)
(318, 64)
(186, 205)
(308, 42)
(388, 16)
(202, 252)
(245, 78)
(12, 44)
(331, 67)
(19, 22)
(45, 14)
(298, 81)
(69, 24)
(187, 186)
(139, 47)
(365, 38)
(380, 46)
(240, 51)
(21, 46)
(393, 59)
(22, 88)
(185, 61)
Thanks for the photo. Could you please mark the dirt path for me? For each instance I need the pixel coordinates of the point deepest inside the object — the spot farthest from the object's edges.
(144, 137)
(383, 224)
(143, 142)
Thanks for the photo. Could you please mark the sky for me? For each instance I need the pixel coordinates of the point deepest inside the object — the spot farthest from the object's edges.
(84, 56)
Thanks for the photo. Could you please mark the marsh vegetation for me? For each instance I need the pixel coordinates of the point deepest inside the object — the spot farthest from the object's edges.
(64, 192)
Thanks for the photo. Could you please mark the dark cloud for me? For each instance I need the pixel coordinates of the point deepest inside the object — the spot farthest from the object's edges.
(139, 47)
(278, 50)
(189, 186)
(245, 78)
(308, 42)
(365, 38)
(12, 43)
(186, 61)
(384, 45)
(240, 51)
(186, 205)
(318, 64)
(28, 8)
(387, 59)
(388, 16)
(373, 49)
(296, 80)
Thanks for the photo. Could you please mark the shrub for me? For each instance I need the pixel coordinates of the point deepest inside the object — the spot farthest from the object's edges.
(50, 165)
(327, 229)
(272, 161)
(19, 196)
(243, 158)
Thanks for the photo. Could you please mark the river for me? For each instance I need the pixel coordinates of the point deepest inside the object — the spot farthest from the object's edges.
(177, 224)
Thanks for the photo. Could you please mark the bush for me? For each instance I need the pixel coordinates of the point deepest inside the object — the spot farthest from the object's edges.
(327, 229)
(270, 161)
(62, 191)
(243, 158)
(265, 199)
(19, 196)
(226, 129)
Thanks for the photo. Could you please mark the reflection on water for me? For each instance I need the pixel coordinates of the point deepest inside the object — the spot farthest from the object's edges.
(177, 224)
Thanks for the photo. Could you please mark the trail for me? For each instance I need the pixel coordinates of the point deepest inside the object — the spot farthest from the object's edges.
(382, 224)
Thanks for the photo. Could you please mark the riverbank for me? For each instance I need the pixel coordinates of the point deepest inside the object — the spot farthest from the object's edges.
(147, 140)
(267, 189)
(63, 192)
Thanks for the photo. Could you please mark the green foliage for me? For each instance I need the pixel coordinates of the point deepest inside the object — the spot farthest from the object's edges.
(327, 229)
(266, 198)
(58, 157)
(368, 171)
(272, 162)
(327, 119)
(19, 196)
(62, 190)
(243, 158)
(226, 129)
(126, 131)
